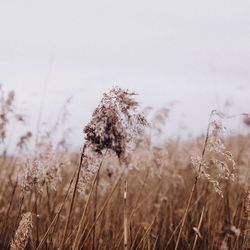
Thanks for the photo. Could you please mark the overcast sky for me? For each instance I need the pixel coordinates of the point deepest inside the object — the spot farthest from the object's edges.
(193, 52)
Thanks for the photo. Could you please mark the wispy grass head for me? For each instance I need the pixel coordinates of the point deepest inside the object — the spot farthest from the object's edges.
(115, 123)
(216, 164)
(23, 233)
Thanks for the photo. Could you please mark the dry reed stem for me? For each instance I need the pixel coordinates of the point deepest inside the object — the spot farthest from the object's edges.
(155, 244)
(101, 211)
(145, 234)
(37, 217)
(5, 220)
(135, 238)
(247, 223)
(173, 234)
(95, 210)
(73, 199)
(74, 231)
(80, 226)
(57, 214)
(125, 217)
(198, 229)
(194, 185)
(19, 211)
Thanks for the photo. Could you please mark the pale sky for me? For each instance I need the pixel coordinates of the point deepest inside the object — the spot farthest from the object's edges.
(193, 52)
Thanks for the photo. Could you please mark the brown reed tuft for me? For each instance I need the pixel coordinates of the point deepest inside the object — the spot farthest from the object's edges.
(23, 232)
(217, 164)
(114, 123)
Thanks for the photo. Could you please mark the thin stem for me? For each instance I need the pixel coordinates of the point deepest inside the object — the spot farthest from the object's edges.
(125, 217)
(37, 217)
(101, 211)
(73, 199)
(80, 226)
(198, 228)
(95, 210)
(195, 182)
(57, 214)
(145, 234)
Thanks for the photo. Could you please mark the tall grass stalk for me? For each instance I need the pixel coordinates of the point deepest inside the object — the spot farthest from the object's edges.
(73, 199)
(80, 226)
(194, 185)
(198, 229)
(125, 214)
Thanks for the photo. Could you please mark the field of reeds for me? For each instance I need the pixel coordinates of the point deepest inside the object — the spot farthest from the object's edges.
(123, 190)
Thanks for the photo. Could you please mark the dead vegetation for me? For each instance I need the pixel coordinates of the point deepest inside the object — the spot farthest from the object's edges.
(123, 191)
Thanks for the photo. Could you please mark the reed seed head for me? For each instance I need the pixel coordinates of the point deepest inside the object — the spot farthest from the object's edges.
(23, 232)
(115, 123)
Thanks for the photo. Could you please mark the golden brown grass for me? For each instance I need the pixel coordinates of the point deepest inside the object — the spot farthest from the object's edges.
(165, 202)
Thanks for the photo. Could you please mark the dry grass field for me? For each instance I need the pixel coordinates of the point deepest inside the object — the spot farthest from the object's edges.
(123, 191)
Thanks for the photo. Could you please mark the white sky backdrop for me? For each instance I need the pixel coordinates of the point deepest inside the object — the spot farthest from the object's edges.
(195, 52)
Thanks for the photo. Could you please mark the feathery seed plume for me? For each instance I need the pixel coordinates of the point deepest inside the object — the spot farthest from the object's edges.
(23, 232)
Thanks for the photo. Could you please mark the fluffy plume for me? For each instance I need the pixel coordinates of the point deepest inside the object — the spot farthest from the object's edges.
(115, 126)
(23, 232)
(7, 112)
(43, 167)
(217, 164)
(115, 123)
